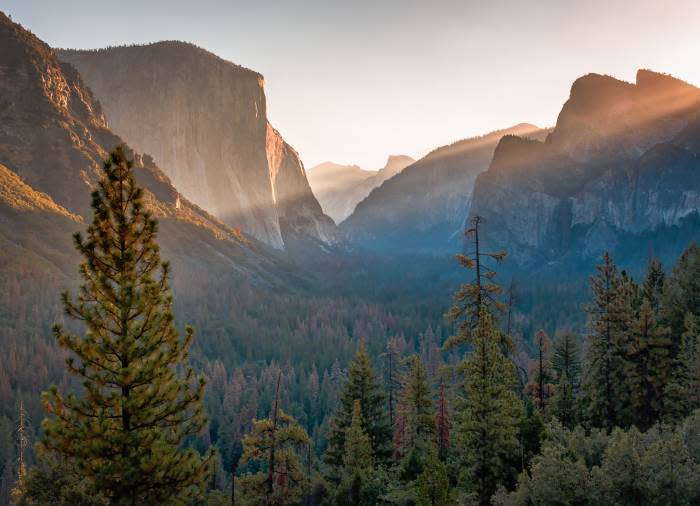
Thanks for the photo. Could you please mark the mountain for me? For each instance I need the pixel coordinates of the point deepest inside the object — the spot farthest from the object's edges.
(422, 209)
(620, 171)
(53, 140)
(340, 187)
(203, 119)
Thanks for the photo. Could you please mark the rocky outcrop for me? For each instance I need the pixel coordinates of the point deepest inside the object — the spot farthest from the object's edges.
(203, 119)
(621, 165)
(53, 140)
(339, 188)
(422, 209)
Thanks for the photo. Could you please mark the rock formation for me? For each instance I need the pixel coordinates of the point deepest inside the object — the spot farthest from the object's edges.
(422, 209)
(203, 119)
(620, 168)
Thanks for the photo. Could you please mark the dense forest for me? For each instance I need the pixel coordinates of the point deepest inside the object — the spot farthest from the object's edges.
(343, 393)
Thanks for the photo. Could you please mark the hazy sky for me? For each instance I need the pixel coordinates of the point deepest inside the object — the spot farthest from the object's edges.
(355, 81)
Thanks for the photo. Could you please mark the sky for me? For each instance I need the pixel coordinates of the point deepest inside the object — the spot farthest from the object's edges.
(353, 82)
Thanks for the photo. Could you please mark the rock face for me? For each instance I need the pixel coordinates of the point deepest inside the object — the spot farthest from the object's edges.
(339, 188)
(203, 119)
(621, 167)
(422, 209)
(53, 140)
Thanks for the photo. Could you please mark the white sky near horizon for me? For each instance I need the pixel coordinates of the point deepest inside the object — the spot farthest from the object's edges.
(355, 82)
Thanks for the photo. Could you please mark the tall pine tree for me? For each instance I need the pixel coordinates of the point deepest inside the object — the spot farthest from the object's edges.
(608, 318)
(364, 386)
(125, 430)
(481, 291)
(491, 415)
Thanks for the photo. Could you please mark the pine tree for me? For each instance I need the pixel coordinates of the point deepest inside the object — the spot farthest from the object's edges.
(140, 400)
(433, 484)
(681, 293)
(563, 405)
(418, 414)
(490, 418)
(682, 392)
(274, 444)
(648, 362)
(541, 376)
(391, 359)
(362, 384)
(566, 362)
(566, 358)
(608, 316)
(482, 291)
(653, 286)
(358, 464)
(442, 423)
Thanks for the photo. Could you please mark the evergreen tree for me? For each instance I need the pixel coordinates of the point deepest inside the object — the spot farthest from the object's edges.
(481, 291)
(566, 358)
(490, 418)
(653, 286)
(608, 316)
(357, 461)
(274, 445)
(433, 484)
(392, 360)
(647, 367)
(418, 412)
(563, 405)
(682, 392)
(443, 423)
(540, 386)
(681, 293)
(140, 400)
(362, 385)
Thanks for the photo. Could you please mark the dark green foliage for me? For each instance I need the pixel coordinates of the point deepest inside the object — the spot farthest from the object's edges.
(433, 484)
(648, 362)
(124, 433)
(681, 293)
(417, 431)
(362, 385)
(609, 317)
(275, 445)
(52, 482)
(489, 420)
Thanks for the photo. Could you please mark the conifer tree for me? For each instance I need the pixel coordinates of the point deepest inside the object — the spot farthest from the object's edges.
(490, 418)
(274, 444)
(608, 316)
(442, 423)
(682, 392)
(648, 362)
(653, 286)
(433, 484)
(357, 486)
(417, 410)
(566, 358)
(681, 293)
(481, 291)
(362, 385)
(392, 360)
(540, 387)
(140, 399)
(563, 404)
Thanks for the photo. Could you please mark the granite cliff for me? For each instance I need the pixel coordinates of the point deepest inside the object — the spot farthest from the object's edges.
(203, 119)
(53, 140)
(620, 171)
